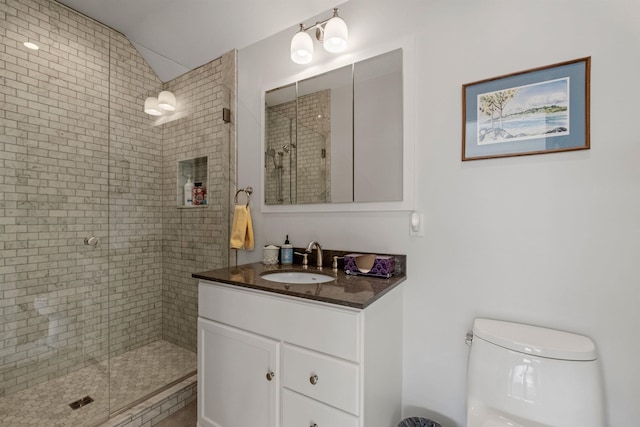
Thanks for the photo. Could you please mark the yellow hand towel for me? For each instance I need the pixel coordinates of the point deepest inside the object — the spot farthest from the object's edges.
(242, 228)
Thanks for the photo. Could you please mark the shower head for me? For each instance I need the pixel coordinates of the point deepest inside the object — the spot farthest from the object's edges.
(287, 147)
(277, 160)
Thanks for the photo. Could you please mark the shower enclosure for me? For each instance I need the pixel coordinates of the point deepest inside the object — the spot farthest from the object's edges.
(97, 304)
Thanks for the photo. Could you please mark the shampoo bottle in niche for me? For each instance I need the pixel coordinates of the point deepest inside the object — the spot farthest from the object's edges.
(286, 252)
(188, 188)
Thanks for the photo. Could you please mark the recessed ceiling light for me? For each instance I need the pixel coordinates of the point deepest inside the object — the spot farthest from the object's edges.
(31, 46)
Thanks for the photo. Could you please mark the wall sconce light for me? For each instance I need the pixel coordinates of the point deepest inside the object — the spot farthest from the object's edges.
(165, 102)
(332, 33)
(151, 106)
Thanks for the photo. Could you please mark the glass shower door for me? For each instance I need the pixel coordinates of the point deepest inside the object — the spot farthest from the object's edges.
(54, 202)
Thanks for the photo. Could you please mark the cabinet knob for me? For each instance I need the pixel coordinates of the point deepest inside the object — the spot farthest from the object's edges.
(270, 376)
(314, 425)
(313, 379)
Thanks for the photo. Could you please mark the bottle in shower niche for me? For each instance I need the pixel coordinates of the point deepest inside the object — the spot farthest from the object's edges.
(188, 190)
(286, 252)
(197, 194)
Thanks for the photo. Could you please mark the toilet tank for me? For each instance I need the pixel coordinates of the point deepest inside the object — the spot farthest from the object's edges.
(522, 375)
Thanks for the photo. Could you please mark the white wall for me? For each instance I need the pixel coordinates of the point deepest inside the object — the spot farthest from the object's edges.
(552, 239)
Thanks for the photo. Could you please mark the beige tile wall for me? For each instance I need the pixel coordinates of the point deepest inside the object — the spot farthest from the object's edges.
(196, 239)
(135, 200)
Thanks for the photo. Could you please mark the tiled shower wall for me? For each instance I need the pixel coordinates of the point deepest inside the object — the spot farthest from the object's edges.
(196, 239)
(135, 193)
(79, 158)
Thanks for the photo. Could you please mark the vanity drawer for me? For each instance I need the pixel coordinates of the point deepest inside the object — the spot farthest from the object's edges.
(332, 381)
(319, 326)
(300, 411)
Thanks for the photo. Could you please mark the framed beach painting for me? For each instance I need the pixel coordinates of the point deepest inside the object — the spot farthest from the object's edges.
(542, 110)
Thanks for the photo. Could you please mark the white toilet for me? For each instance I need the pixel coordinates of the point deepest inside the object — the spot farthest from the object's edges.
(527, 376)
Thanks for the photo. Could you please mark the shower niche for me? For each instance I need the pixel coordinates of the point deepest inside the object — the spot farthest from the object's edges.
(192, 182)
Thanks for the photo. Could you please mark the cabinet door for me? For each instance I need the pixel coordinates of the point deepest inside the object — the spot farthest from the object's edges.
(238, 378)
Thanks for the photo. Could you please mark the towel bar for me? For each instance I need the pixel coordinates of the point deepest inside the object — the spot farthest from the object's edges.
(247, 191)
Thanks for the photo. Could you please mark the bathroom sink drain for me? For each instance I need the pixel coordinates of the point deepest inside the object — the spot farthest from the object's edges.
(81, 402)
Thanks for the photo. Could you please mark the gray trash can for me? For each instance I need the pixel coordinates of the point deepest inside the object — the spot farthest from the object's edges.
(418, 422)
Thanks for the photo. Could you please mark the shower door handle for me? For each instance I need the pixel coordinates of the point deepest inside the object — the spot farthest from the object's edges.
(91, 241)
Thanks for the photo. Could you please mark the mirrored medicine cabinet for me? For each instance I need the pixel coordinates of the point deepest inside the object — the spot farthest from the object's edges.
(337, 139)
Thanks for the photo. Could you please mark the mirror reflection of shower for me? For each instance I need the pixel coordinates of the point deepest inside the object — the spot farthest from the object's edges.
(287, 147)
(278, 170)
(280, 160)
(299, 127)
(296, 162)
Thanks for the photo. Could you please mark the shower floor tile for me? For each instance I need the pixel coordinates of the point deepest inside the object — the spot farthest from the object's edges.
(134, 375)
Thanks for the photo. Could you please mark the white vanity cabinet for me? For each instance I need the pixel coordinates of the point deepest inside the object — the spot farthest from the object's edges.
(272, 360)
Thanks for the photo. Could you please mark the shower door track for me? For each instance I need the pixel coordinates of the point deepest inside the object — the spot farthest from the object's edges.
(150, 395)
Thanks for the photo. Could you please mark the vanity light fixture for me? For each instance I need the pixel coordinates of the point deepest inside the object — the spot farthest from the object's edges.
(165, 102)
(301, 47)
(336, 34)
(332, 33)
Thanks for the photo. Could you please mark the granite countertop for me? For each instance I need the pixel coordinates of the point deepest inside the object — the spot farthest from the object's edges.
(346, 290)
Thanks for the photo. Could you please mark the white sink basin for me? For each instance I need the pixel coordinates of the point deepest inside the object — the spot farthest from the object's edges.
(297, 277)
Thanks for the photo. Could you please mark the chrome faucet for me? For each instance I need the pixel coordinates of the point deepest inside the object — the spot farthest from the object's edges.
(319, 252)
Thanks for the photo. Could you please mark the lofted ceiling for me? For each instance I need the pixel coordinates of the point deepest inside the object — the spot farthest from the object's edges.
(176, 36)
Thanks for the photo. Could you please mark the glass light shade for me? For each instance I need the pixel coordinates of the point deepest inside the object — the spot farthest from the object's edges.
(336, 35)
(167, 101)
(151, 106)
(301, 48)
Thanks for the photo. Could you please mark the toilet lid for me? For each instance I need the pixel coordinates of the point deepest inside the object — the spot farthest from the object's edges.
(534, 340)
